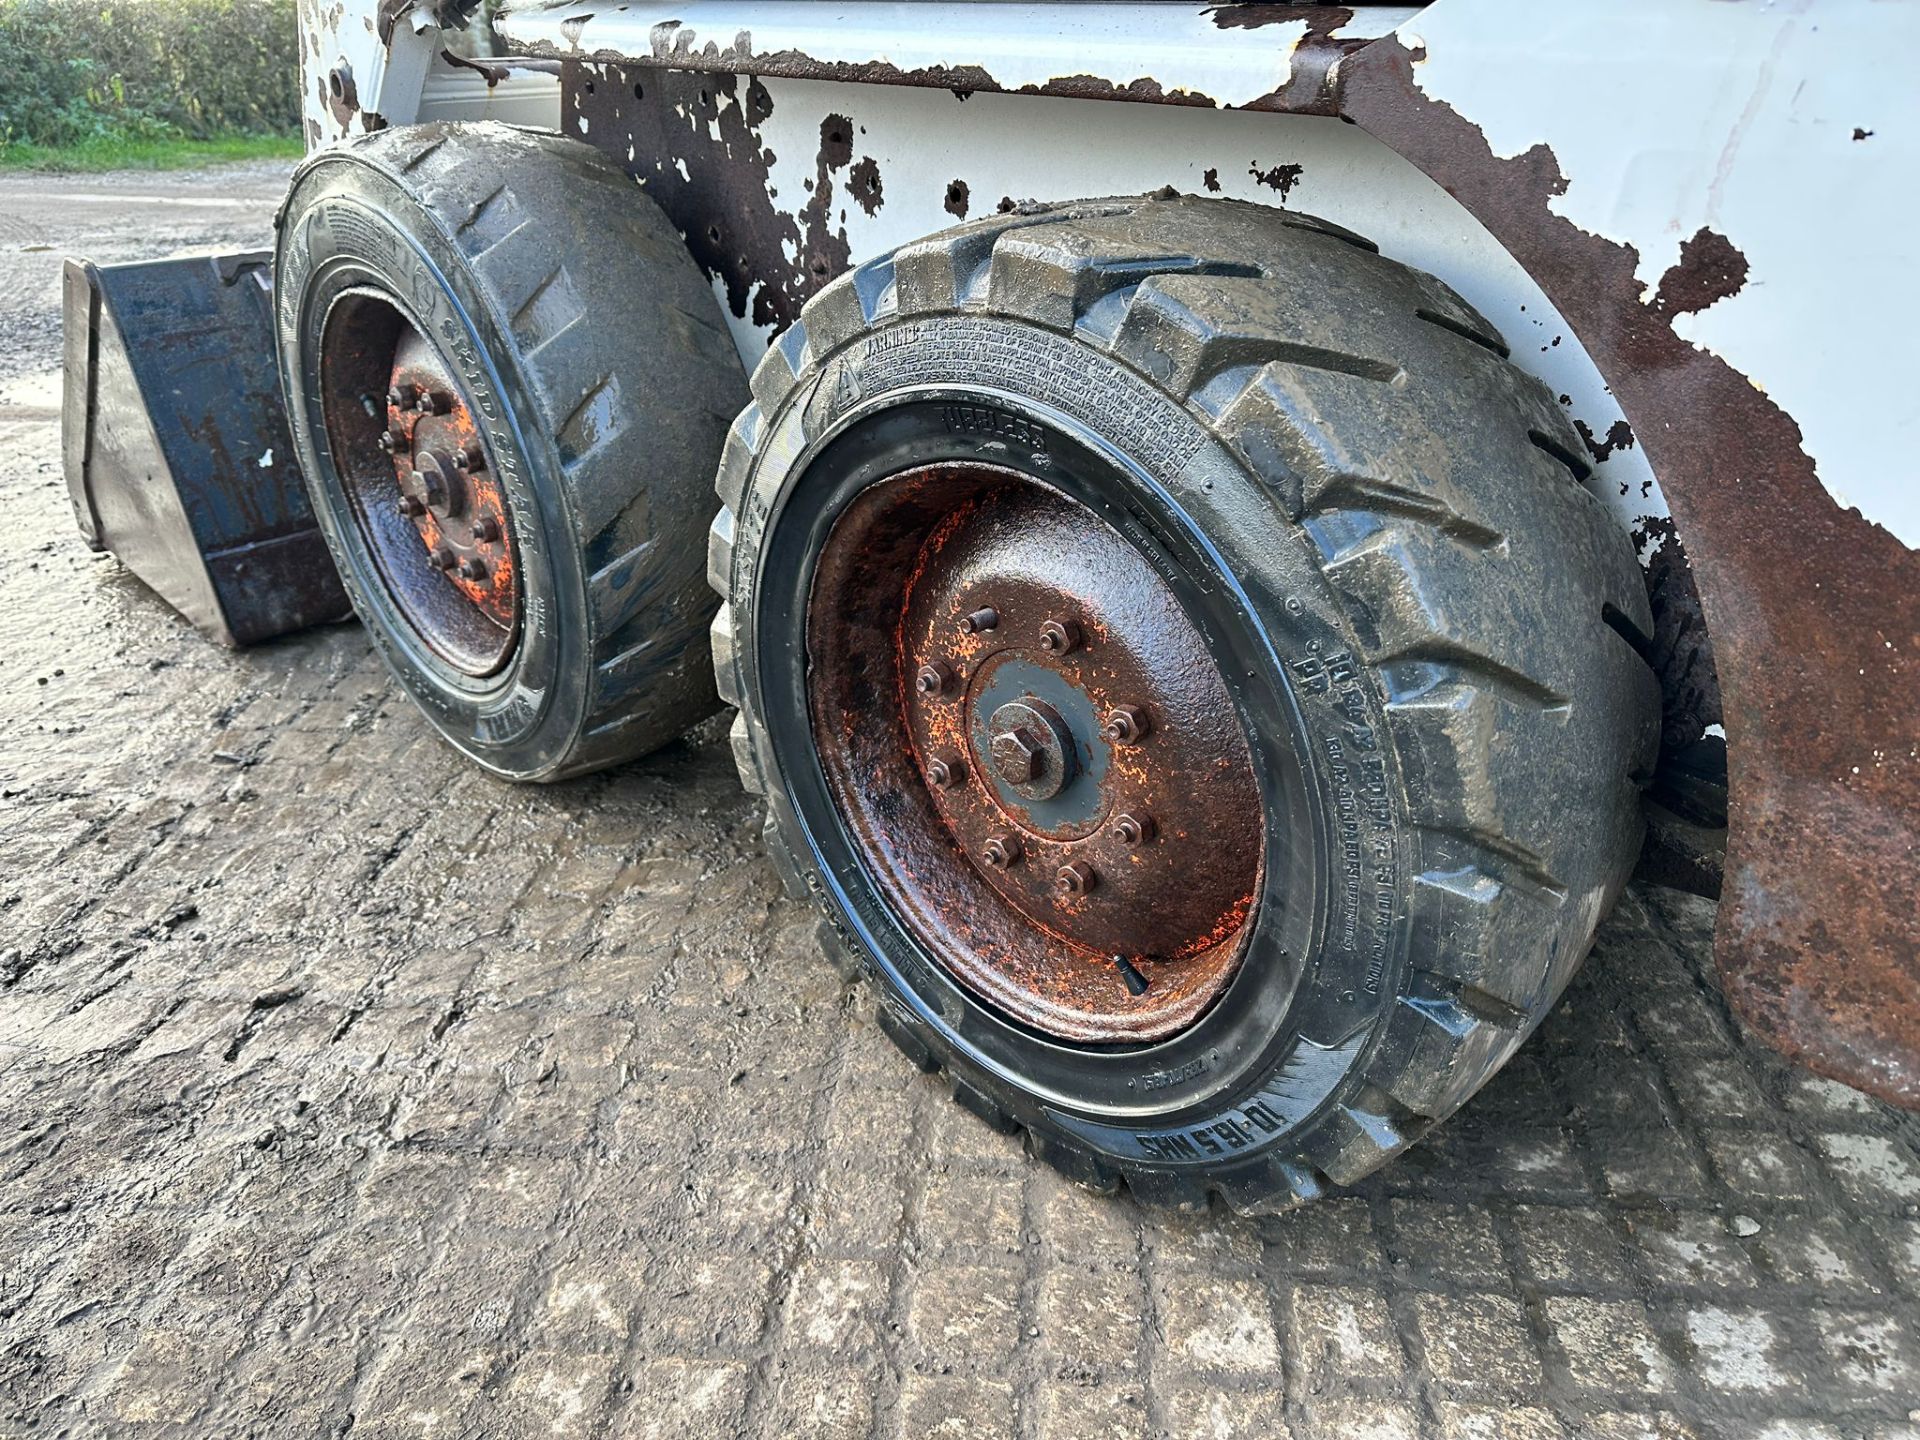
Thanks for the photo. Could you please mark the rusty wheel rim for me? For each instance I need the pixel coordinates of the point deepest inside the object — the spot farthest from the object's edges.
(428, 504)
(1081, 840)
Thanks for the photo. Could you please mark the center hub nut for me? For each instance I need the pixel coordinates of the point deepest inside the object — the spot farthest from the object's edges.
(435, 485)
(1032, 749)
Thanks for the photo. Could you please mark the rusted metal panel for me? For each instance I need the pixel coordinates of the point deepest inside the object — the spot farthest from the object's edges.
(1161, 54)
(177, 453)
(1813, 599)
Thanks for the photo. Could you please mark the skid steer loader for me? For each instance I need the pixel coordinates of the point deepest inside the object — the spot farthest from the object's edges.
(1228, 531)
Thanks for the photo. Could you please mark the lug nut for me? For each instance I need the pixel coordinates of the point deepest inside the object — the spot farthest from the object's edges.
(1131, 830)
(1001, 851)
(411, 508)
(431, 402)
(1060, 635)
(473, 568)
(946, 771)
(934, 677)
(1127, 724)
(486, 530)
(401, 397)
(982, 619)
(1075, 879)
(470, 458)
(443, 559)
(390, 441)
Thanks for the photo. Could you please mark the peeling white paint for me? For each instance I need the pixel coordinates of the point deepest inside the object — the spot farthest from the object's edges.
(1180, 47)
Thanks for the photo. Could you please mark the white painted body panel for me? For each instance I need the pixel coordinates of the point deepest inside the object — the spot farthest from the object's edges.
(1740, 119)
(1666, 116)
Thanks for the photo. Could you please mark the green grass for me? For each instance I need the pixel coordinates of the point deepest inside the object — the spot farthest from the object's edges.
(110, 153)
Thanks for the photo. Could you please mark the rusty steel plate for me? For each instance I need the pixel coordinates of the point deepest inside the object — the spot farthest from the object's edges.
(1085, 845)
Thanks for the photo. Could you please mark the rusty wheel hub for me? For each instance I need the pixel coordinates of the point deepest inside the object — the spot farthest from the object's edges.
(416, 467)
(1085, 845)
(446, 490)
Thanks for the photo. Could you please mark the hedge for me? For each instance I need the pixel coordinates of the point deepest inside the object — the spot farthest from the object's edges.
(147, 69)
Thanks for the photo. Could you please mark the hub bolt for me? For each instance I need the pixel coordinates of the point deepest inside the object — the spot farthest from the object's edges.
(1060, 636)
(473, 568)
(486, 529)
(1075, 879)
(1017, 756)
(401, 397)
(985, 618)
(1131, 830)
(443, 559)
(411, 508)
(1001, 851)
(469, 457)
(431, 402)
(946, 771)
(1127, 724)
(934, 677)
(391, 440)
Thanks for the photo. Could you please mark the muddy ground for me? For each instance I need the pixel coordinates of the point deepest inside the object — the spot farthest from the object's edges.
(343, 1089)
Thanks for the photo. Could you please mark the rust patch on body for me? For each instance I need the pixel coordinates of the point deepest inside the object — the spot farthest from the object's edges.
(1815, 614)
(1709, 270)
(1281, 178)
(1619, 437)
(694, 141)
(863, 184)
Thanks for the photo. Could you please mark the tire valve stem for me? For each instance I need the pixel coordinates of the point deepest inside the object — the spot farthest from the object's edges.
(1135, 982)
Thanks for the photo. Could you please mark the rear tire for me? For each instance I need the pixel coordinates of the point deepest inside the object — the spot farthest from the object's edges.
(592, 359)
(1427, 628)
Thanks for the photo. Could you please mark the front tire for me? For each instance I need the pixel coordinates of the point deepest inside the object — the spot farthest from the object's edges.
(1303, 508)
(507, 382)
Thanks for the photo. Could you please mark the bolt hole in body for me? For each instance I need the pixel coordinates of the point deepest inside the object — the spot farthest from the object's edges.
(1078, 834)
(409, 452)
